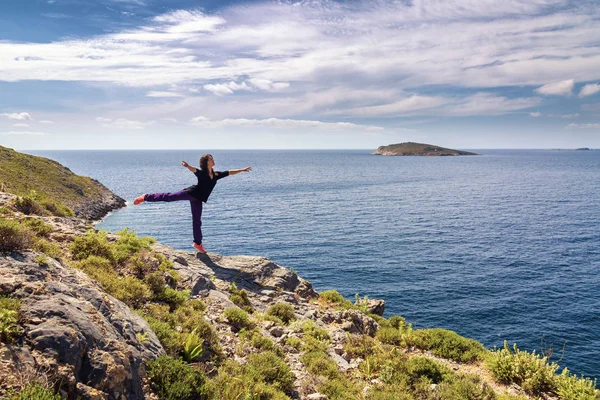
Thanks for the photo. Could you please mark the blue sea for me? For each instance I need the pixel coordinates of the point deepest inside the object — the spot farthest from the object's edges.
(501, 246)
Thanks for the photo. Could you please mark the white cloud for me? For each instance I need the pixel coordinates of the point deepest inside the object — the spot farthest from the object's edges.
(46, 122)
(535, 114)
(267, 85)
(562, 88)
(163, 94)
(103, 119)
(589, 90)
(20, 125)
(583, 126)
(278, 123)
(22, 116)
(123, 123)
(23, 133)
(226, 88)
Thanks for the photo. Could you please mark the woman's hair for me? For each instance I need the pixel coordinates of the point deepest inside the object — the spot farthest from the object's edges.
(204, 162)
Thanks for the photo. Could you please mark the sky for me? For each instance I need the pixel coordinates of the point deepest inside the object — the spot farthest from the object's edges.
(183, 74)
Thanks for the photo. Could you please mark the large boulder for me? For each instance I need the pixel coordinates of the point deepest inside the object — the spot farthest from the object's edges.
(74, 331)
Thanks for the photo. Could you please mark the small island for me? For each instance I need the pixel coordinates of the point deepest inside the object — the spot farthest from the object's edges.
(418, 149)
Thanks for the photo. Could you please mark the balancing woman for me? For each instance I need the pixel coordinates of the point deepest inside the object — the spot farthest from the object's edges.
(196, 194)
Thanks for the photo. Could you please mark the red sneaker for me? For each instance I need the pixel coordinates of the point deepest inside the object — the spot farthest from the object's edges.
(139, 200)
(200, 248)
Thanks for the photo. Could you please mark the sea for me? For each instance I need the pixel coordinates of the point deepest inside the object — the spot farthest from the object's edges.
(500, 246)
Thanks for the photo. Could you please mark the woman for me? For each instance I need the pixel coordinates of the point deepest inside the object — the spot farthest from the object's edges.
(196, 194)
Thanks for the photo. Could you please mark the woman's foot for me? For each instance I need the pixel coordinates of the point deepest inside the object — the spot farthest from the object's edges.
(200, 248)
(139, 200)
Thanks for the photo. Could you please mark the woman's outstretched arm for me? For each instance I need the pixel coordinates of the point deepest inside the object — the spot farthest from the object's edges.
(237, 171)
(188, 166)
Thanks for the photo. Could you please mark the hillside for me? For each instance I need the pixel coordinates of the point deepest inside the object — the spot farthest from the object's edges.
(54, 186)
(96, 315)
(418, 149)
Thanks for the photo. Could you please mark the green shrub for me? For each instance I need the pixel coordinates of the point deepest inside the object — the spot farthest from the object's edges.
(240, 298)
(34, 391)
(237, 318)
(129, 290)
(271, 369)
(340, 388)
(310, 329)
(283, 311)
(530, 371)
(390, 335)
(9, 319)
(13, 236)
(28, 205)
(173, 379)
(6, 211)
(57, 208)
(469, 387)
(129, 244)
(174, 298)
(320, 363)
(398, 322)
(237, 382)
(38, 226)
(448, 344)
(260, 342)
(294, 342)
(171, 340)
(569, 387)
(41, 260)
(332, 296)
(92, 244)
(359, 346)
(50, 249)
(424, 367)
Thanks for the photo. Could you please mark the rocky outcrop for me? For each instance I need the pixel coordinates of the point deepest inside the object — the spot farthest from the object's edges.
(74, 332)
(99, 207)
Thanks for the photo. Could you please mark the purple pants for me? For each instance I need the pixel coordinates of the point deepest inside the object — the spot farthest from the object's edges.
(196, 208)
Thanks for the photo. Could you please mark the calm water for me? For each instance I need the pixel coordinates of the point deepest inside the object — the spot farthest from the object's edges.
(499, 246)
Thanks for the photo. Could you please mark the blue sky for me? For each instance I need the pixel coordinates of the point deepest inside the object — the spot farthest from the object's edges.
(114, 74)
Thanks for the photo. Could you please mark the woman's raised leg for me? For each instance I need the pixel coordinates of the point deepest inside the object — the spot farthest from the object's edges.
(177, 196)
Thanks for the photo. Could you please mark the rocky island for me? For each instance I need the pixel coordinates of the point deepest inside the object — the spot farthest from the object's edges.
(87, 314)
(418, 149)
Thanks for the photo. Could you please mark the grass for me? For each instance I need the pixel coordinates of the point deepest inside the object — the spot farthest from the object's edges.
(448, 344)
(9, 319)
(55, 185)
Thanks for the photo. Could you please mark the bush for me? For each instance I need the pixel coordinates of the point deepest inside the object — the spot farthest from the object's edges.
(310, 329)
(174, 298)
(259, 341)
(283, 311)
(13, 236)
(34, 391)
(173, 379)
(359, 346)
(92, 244)
(237, 318)
(466, 387)
(129, 244)
(28, 205)
(9, 318)
(390, 336)
(57, 208)
(50, 249)
(319, 363)
(129, 290)
(424, 367)
(569, 387)
(236, 382)
(294, 342)
(240, 298)
(41, 260)
(340, 389)
(530, 371)
(193, 346)
(448, 344)
(38, 226)
(271, 369)
(332, 296)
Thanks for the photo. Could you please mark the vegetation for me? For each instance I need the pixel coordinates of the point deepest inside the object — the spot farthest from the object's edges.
(34, 391)
(50, 249)
(283, 311)
(14, 236)
(55, 185)
(9, 319)
(240, 298)
(448, 344)
(173, 379)
(237, 318)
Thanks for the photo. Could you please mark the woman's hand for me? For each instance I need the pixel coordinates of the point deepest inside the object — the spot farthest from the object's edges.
(247, 169)
(185, 164)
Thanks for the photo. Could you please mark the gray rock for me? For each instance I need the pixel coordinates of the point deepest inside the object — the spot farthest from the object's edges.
(86, 337)
(276, 331)
(376, 306)
(316, 396)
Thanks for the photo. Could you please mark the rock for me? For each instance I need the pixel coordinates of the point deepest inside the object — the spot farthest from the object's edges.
(376, 306)
(357, 322)
(276, 331)
(316, 396)
(86, 337)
